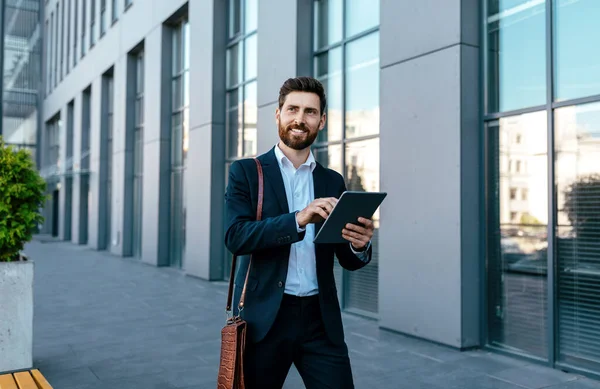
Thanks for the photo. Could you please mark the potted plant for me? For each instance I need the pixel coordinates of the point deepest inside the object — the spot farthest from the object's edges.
(21, 198)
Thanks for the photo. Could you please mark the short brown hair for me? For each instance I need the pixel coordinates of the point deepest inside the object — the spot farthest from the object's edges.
(303, 84)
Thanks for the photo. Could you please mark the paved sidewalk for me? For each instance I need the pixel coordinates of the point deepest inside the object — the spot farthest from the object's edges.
(114, 323)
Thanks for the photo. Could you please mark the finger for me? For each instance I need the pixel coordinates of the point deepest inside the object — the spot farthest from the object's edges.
(330, 201)
(355, 235)
(368, 223)
(322, 213)
(325, 206)
(354, 227)
(355, 242)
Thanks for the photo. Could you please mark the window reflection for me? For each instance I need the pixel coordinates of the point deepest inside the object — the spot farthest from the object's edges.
(518, 219)
(234, 9)
(516, 54)
(577, 143)
(361, 15)
(251, 11)
(362, 166)
(250, 119)
(329, 72)
(362, 174)
(234, 124)
(234, 65)
(328, 22)
(362, 87)
(577, 61)
(330, 157)
(250, 58)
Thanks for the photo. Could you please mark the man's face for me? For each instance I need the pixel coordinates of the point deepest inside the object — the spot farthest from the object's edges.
(299, 120)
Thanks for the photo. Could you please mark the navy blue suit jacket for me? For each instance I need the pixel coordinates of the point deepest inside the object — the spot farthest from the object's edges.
(269, 241)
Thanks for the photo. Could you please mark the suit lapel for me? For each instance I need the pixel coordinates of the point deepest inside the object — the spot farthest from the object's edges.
(274, 178)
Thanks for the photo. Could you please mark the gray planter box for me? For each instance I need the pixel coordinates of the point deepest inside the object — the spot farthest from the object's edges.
(16, 315)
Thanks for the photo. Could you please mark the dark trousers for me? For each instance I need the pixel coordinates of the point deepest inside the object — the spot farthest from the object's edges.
(298, 336)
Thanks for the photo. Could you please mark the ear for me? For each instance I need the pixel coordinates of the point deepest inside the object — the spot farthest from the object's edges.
(277, 115)
(322, 121)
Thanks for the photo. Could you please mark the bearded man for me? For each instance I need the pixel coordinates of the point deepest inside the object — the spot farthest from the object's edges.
(291, 303)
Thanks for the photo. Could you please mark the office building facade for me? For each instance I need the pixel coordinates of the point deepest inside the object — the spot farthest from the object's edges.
(476, 117)
(21, 53)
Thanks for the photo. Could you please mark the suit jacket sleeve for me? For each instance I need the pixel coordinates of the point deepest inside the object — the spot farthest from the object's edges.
(343, 251)
(244, 234)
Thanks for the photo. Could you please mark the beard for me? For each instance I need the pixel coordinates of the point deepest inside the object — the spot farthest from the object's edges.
(297, 142)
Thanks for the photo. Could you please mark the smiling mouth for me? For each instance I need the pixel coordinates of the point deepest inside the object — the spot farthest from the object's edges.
(297, 131)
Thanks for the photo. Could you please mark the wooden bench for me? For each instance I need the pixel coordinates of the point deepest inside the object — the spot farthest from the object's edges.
(31, 379)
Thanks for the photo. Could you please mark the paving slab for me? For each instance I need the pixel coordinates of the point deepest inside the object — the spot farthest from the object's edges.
(103, 321)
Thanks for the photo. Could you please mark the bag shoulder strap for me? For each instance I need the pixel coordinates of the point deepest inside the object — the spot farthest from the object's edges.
(234, 261)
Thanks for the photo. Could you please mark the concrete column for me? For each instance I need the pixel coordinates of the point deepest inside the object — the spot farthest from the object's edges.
(75, 227)
(119, 155)
(430, 144)
(95, 205)
(156, 183)
(205, 174)
(63, 181)
(284, 51)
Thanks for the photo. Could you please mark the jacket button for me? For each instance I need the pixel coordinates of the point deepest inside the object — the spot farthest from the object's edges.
(280, 284)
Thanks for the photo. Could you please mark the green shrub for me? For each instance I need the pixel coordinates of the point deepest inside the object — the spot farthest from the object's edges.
(21, 197)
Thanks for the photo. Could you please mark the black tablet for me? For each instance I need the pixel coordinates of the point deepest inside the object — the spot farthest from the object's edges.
(350, 206)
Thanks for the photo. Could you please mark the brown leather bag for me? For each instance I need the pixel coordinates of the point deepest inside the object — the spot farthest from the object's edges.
(233, 335)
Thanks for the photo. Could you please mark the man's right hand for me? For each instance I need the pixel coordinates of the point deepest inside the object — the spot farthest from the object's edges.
(316, 211)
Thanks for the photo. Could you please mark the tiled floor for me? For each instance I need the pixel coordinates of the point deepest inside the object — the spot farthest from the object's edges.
(108, 322)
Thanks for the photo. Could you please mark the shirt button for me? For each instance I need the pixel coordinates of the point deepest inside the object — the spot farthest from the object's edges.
(280, 284)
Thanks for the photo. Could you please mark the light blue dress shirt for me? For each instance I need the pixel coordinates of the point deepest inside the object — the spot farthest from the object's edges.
(299, 190)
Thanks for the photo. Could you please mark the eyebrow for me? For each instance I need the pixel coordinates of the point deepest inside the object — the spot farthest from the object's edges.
(295, 106)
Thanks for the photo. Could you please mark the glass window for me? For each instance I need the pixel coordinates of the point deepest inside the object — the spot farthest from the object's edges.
(234, 125)
(348, 67)
(330, 156)
(62, 39)
(517, 240)
(234, 65)
(92, 23)
(102, 17)
(56, 46)
(83, 29)
(179, 141)
(362, 87)
(577, 172)
(75, 26)
(234, 10)
(250, 119)
(251, 18)
(68, 27)
(361, 15)
(241, 99)
(328, 22)
(516, 54)
(362, 174)
(250, 58)
(576, 58)
(138, 159)
(328, 70)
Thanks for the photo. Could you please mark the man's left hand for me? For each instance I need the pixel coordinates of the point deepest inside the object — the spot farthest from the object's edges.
(358, 235)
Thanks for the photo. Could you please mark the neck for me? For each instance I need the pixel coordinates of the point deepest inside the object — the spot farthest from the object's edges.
(297, 157)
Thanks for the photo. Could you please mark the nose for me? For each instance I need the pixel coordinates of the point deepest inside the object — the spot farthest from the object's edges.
(299, 118)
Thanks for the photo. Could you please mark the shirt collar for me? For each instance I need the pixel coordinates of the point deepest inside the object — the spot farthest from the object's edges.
(281, 159)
